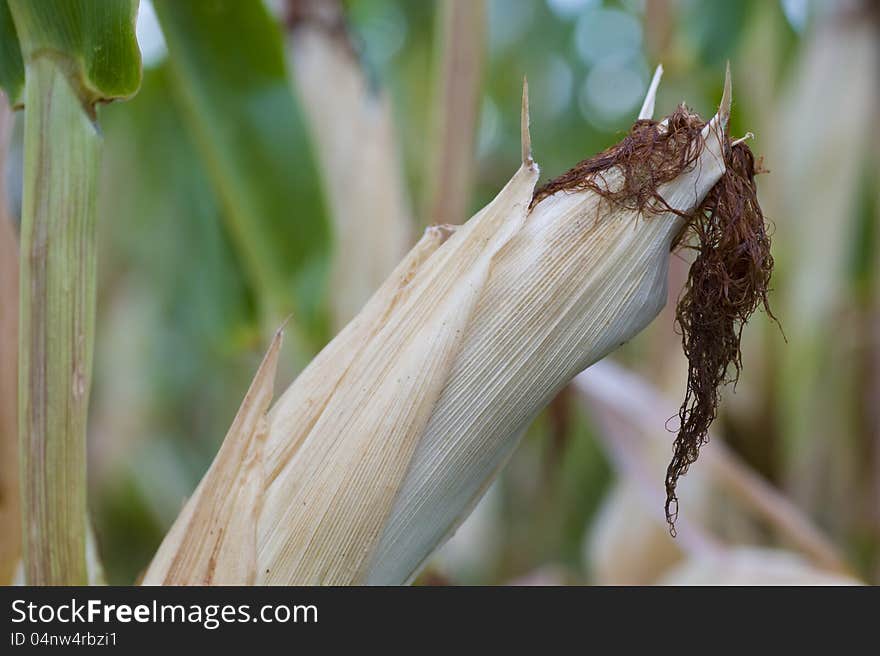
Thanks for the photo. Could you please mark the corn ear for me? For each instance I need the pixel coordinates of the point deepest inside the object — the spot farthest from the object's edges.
(578, 279)
(385, 442)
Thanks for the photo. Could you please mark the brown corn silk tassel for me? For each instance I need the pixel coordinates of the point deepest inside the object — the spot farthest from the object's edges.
(727, 281)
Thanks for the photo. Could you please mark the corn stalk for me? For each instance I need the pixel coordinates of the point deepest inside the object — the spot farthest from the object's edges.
(10, 519)
(73, 59)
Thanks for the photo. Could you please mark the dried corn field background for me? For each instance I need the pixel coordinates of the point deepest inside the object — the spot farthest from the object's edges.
(392, 115)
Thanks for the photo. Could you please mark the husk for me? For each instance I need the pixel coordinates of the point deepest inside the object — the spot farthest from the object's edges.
(214, 540)
(386, 441)
(352, 126)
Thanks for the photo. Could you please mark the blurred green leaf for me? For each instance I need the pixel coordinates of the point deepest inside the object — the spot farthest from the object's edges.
(98, 38)
(205, 319)
(862, 259)
(228, 65)
(716, 28)
(199, 281)
(11, 66)
(163, 232)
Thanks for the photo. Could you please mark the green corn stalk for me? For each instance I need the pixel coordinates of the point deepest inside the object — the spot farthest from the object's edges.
(74, 57)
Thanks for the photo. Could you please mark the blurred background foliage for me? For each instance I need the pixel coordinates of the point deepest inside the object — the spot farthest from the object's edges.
(215, 226)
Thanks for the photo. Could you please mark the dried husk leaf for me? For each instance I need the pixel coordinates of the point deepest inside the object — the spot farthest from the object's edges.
(309, 393)
(361, 446)
(214, 540)
(296, 412)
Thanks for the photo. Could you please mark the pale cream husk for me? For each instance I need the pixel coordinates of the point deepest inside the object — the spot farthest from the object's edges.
(379, 449)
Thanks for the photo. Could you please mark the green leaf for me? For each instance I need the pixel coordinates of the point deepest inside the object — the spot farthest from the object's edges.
(11, 66)
(715, 28)
(228, 64)
(95, 41)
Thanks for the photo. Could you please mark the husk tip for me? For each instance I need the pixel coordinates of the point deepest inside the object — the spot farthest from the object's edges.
(726, 97)
(525, 136)
(721, 118)
(647, 111)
